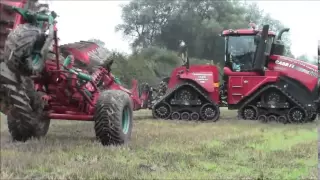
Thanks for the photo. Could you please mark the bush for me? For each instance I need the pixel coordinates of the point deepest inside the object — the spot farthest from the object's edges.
(148, 65)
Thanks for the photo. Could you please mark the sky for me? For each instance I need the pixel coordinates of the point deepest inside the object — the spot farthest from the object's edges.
(302, 17)
(83, 20)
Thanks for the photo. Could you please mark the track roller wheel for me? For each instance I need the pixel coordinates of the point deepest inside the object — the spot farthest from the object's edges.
(272, 118)
(185, 116)
(162, 111)
(296, 115)
(282, 119)
(210, 112)
(194, 116)
(263, 118)
(175, 116)
(249, 113)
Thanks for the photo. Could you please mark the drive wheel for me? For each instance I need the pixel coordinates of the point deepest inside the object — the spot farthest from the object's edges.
(296, 115)
(273, 97)
(210, 112)
(161, 111)
(249, 113)
(113, 118)
(185, 94)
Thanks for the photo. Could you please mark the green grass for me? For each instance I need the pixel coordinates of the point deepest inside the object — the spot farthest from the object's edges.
(228, 149)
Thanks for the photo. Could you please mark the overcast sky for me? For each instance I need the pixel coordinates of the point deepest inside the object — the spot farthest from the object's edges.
(82, 20)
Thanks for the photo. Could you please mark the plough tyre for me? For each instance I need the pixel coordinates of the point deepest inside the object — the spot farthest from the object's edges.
(27, 119)
(113, 117)
(19, 46)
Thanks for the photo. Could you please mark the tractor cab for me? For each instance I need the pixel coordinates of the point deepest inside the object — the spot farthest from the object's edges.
(245, 49)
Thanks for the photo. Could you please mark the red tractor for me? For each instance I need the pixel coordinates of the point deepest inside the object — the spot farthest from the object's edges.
(259, 82)
(40, 81)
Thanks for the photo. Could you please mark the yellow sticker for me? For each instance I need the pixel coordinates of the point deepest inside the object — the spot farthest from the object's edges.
(215, 84)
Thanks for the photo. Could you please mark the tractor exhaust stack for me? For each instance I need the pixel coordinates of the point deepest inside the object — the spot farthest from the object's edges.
(281, 32)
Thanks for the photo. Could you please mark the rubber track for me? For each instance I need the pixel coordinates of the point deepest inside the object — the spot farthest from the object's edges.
(284, 93)
(171, 91)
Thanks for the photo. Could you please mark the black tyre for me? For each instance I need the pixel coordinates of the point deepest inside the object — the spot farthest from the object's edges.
(25, 122)
(20, 44)
(113, 117)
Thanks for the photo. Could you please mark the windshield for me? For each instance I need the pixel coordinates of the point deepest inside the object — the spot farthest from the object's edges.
(241, 45)
(240, 51)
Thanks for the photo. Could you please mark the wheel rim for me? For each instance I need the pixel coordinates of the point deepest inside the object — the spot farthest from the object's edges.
(185, 94)
(125, 120)
(272, 118)
(175, 116)
(282, 119)
(185, 116)
(249, 113)
(209, 112)
(162, 111)
(195, 116)
(275, 97)
(263, 118)
(296, 115)
(272, 97)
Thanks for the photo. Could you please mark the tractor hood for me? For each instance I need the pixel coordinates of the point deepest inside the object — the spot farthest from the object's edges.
(297, 62)
(302, 71)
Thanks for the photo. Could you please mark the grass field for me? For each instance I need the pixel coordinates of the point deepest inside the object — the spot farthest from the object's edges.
(228, 149)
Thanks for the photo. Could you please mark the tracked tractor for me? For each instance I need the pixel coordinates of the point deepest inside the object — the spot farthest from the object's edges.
(40, 80)
(258, 81)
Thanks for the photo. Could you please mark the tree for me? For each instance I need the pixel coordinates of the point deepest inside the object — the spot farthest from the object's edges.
(143, 20)
(303, 57)
(306, 58)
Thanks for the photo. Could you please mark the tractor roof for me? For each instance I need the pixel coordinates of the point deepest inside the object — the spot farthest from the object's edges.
(232, 32)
